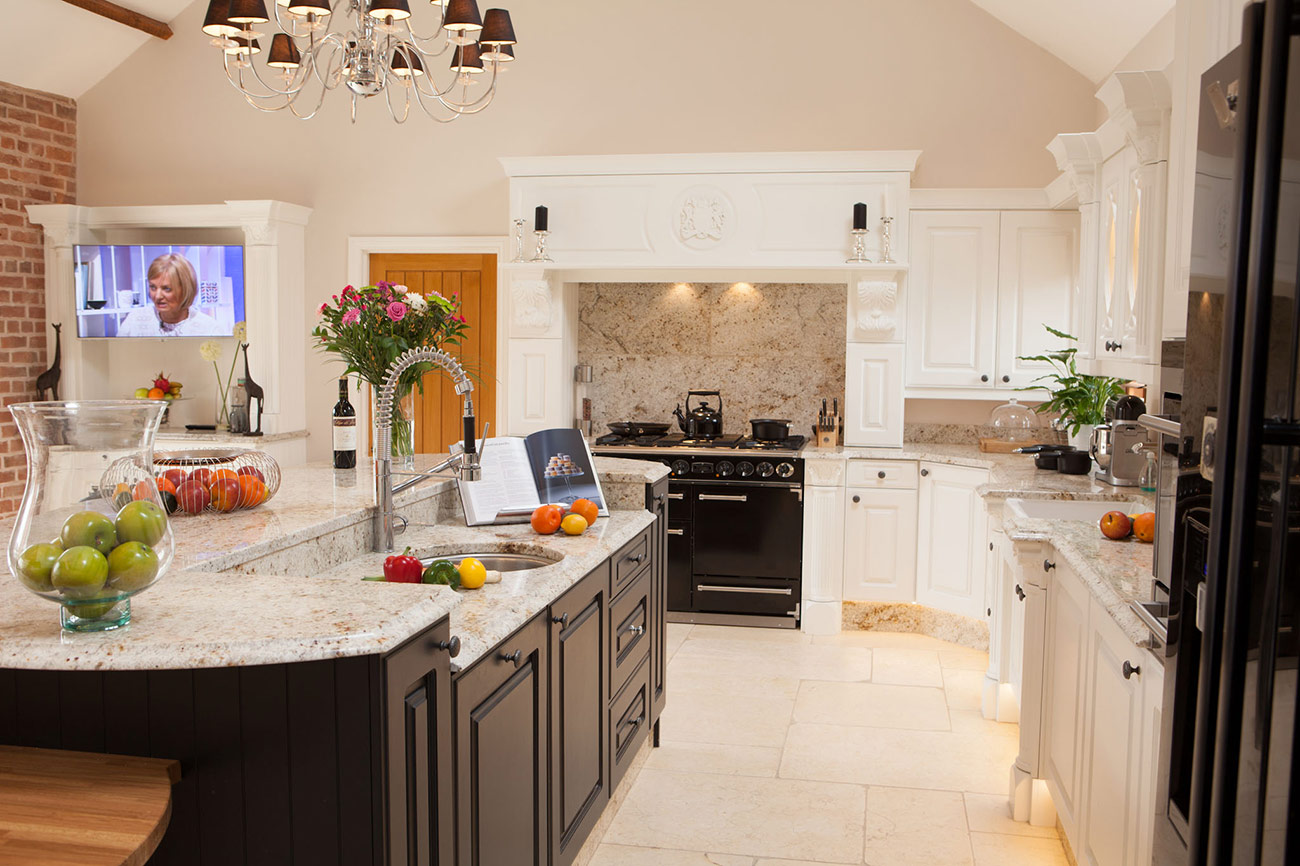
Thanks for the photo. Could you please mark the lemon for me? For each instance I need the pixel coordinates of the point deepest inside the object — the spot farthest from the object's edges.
(574, 524)
(472, 573)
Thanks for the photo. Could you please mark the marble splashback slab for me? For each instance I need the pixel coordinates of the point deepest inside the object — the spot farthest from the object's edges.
(773, 350)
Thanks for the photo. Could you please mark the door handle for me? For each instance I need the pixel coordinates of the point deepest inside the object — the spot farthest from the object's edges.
(638, 559)
(754, 590)
(677, 532)
(925, 472)
(676, 495)
(635, 723)
(725, 497)
(880, 474)
(1129, 670)
(1020, 593)
(1048, 565)
(637, 630)
(451, 646)
(857, 498)
(516, 657)
(1006, 378)
(984, 378)
(562, 621)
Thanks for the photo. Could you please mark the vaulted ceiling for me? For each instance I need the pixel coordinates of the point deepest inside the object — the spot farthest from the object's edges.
(57, 47)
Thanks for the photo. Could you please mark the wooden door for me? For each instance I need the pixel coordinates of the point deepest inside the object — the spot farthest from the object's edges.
(474, 279)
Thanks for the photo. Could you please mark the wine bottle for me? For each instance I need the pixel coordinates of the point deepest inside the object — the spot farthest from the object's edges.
(345, 430)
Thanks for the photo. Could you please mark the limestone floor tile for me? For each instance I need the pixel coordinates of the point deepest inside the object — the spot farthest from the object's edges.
(762, 635)
(692, 672)
(991, 813)
(914, 708)
(996, 849)
(769, 659)
(742, 815)
(628, 855)
(900, 639)
(906, 667)
(961, 658)
(963, 688)
(965, 759)
(722, 759)
(675, 636)
(764, 861)
(909, 827)
(738, 720)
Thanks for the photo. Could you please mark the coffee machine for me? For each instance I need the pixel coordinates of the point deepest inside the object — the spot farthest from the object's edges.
(1118, 445)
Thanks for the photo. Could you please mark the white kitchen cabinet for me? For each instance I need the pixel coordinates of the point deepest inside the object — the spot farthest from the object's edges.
(952, 299)
(982, 285)
(879, 543)
(952, 538)
(1130, 252)
(873, 403)
(1113, 744)
(1153, 698)
(1064, 680)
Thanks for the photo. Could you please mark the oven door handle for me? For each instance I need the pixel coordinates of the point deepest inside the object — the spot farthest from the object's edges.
(677, 532)
(754, 590)
(725, 497)
(676, 495)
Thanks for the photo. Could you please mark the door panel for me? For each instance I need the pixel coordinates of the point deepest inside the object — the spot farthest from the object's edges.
(953, 532)
(1067, 647)
(1038, 274)
(748, 530)
(880, 545)
(473, 278)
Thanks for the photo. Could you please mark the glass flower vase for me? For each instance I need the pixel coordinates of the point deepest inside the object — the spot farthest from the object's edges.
(403, 426)
(75, 541)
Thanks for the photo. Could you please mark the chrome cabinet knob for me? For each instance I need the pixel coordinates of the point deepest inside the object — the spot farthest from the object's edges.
(637, 630)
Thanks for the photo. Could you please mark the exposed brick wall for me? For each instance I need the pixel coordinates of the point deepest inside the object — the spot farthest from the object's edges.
(38, 165)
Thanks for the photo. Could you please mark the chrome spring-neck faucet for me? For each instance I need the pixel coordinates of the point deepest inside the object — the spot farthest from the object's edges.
(465, 464)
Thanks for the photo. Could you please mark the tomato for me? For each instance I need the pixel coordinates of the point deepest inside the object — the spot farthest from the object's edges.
(203, 475)
(223, 473)
(586, 508)
(253, 471)
(176, 477)
(144, 490)
(193, 496)
(251, 491)
(546, 519)
(225, 493)
(165, 485)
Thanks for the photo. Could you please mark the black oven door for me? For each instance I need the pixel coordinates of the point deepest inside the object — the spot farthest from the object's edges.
(747, 531)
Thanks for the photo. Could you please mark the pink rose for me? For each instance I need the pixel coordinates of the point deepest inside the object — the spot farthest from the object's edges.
(396, 311)
(320, 311)
(351, 317)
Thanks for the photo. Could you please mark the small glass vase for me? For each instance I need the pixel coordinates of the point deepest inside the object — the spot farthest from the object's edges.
(75, 541)
(403, 425)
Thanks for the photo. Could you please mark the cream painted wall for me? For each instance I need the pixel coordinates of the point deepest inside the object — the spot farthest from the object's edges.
(592, 77)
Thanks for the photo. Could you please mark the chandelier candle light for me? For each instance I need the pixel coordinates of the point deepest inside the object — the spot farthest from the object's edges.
(370, 46)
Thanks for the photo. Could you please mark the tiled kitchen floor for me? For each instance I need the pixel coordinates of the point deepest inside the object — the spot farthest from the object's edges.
(780, 749)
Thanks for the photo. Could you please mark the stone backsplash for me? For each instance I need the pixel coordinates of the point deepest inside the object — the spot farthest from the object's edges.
(773, 350)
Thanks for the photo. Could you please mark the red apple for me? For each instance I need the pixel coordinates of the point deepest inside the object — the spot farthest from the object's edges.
(175, 476)
(193, 496)
(253, 471)
(203, 475)
(1116, 525)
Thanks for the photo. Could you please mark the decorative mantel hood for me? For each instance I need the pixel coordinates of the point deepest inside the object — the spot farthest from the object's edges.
(739, 215)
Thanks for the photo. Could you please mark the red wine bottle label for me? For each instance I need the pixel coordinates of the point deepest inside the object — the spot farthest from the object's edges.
(345, 434)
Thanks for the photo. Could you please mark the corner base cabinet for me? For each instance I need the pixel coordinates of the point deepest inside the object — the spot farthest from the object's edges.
(952, 539)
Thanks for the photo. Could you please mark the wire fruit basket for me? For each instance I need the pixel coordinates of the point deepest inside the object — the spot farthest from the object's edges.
(192, 482)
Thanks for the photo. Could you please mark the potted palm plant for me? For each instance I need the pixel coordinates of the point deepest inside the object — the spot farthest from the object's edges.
(1077, 398)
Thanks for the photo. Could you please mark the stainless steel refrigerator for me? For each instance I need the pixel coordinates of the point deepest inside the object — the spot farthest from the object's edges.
(1231, 772)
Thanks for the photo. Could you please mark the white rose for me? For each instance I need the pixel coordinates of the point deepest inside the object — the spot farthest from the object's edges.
(416, 302)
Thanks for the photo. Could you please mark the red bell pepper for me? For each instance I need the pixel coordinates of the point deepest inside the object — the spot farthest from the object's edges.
(403, 568)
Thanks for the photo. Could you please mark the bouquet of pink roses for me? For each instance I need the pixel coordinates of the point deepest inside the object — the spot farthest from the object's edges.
(371, 326)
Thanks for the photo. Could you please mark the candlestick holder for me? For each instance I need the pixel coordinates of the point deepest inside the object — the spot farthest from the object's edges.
(541, 254)
(859, 256)
(519, 242)
(885, 252)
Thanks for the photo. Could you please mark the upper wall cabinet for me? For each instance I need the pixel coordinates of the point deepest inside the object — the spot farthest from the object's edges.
(983, 284)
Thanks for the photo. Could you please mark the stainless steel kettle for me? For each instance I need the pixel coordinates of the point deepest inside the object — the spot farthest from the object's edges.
(702, 422)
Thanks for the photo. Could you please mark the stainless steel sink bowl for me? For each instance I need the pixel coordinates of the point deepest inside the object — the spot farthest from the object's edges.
(500, 561)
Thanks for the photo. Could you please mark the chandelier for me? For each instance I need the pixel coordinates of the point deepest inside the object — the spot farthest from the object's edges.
(369, 46)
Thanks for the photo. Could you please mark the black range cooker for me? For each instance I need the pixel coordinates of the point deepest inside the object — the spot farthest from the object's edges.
(735, 525)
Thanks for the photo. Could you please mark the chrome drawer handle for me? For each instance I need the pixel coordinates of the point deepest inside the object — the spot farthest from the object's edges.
(635, 723)
(677, 532)
(725, 497)
(755, 590)
(637, 630)
(676, 495)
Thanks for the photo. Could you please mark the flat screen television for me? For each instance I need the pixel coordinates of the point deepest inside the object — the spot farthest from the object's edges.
(159, 290)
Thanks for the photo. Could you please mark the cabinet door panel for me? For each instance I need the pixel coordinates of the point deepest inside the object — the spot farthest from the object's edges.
(501, 743)
(1114, 269)
(1067, 648)
(873, 402)
(1037, 275)
(879, 545)
(952, 298)
(952, 529)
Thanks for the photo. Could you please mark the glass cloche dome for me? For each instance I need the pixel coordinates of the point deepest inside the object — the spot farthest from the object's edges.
(1013, 422)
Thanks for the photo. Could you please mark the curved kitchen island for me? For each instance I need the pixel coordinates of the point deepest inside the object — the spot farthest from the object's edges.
(322, 719)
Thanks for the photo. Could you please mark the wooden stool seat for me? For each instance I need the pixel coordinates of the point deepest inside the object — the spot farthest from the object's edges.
(59, 807)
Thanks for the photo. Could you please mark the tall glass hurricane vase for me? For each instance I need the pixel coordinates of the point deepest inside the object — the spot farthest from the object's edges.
(75, 541)
(403, 420)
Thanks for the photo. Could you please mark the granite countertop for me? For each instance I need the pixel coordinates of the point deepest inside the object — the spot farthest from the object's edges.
(1010, 475)
(201, 614)
(1115, 572)
(210, 437)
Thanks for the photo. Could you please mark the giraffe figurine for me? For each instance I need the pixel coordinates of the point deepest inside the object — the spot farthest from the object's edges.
(49, 380)
(255, 392)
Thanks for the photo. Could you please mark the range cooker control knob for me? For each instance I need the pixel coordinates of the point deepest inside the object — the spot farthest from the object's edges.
(785, 470)
(680, 467)
(745, 469)
(726, 468)
(765, 470)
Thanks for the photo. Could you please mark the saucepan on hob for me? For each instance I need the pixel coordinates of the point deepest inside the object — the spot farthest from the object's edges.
(702, 422)
(770, 429)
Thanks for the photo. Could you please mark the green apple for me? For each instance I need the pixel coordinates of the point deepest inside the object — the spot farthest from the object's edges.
(141, 521)
(91, 529)
(132, 566)
(80, 572)
(35, 564)
(92, 609)
(142, 393)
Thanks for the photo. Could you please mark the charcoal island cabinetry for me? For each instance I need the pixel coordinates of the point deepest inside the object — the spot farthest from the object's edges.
(320, 720)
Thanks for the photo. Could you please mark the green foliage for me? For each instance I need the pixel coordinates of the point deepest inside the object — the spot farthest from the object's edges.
(1078, 398)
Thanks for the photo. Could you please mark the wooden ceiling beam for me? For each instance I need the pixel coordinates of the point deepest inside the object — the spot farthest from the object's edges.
(122, 15)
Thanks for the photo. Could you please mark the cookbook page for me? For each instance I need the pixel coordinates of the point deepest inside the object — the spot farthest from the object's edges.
(507, 484)
(562, 467)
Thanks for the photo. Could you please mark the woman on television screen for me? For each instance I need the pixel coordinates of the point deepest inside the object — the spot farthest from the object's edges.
(172, 288)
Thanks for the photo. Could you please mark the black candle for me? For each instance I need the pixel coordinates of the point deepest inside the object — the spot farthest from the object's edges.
(539, 219)
(859, 216)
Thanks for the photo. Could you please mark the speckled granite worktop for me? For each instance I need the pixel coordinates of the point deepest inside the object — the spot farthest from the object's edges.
(205, 614)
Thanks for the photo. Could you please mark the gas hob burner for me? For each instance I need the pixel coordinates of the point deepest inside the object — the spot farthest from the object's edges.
(677, 440)
(790, 443)
(620, 439)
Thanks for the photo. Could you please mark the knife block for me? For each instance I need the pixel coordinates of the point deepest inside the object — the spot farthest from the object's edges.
(826, 437)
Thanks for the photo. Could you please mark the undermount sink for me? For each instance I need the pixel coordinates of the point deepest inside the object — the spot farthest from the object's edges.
(500, 561)
(1066, 509)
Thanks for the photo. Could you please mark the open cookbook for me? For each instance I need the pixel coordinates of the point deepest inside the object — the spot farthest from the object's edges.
(547, 467)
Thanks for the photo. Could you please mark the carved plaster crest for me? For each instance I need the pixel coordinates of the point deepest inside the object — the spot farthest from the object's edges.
(704, 216)
(877, 308)
(531, 303)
